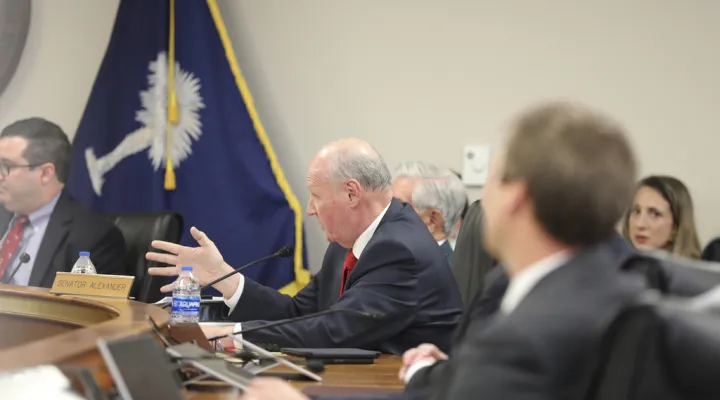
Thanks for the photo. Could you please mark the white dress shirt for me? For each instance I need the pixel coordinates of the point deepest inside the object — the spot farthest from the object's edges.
(522, 283)
(357, 249)
(519, 287)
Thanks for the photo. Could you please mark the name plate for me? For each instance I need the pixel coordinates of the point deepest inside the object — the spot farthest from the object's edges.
(117, 286)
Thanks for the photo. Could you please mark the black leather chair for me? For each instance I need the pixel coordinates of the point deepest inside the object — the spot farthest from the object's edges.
(711, 252)
(656, 350)
(677, 276)
(139, 230)
(470, 261)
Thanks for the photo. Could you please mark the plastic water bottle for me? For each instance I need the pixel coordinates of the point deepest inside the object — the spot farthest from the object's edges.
(185, 298)
(83, 265)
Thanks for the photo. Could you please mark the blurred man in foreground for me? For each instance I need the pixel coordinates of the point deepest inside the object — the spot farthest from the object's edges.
(381, 260)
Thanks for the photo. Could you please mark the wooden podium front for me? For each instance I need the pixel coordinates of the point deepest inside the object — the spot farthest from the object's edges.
(38, 328)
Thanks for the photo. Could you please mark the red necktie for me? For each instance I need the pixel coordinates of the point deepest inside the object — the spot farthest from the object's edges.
(350, 262)
(11, 242)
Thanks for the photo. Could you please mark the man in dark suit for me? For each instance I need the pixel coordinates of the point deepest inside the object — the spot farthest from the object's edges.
(437, 194)
(39, 218)
(551, 200)
(480, 314)
(487, 301)
(381, 260)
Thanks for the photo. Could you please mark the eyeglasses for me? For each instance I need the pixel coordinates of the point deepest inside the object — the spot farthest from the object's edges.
(6, 168)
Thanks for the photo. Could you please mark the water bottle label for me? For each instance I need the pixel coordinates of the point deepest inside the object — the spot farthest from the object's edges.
(186, 305)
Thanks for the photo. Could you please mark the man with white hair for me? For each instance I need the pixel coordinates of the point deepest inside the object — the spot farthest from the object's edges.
(381, 261)
(436, 194)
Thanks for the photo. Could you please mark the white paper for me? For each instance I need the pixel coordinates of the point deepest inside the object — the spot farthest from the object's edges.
(23, 384)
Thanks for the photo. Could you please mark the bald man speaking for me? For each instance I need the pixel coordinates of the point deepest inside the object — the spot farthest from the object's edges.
(381, 260)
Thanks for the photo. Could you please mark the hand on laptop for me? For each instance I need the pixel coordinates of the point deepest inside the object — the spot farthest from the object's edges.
(206, 260)
(271, 389)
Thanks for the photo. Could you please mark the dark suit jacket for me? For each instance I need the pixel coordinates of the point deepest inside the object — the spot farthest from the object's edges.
(537, 351)
(470, 261)
(486, 304)
(447, 250)
(74, 228)
(401, 274)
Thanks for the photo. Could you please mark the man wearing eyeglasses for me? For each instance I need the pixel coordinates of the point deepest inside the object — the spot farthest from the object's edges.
(43, 228)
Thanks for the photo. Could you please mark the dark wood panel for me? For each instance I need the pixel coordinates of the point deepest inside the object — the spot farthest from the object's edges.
(96, 318)
(16, 330)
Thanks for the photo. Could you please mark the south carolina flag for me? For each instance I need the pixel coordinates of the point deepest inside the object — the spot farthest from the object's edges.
(186, 138)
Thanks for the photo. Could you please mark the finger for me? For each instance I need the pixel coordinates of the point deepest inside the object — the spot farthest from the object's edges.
(401, 374)
(167, 288)
(434, 352)
(161, 257)
(200, 236)
(409, 353)
(427, 347)
(439, 355)
(163, 271)
(173, 248)
(409, 356)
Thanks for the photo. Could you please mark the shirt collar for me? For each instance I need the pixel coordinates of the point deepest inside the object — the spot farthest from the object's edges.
(365, 237)
(36, 217)
(522, 283)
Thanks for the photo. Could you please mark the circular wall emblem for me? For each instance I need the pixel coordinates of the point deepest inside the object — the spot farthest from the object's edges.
(14, 25)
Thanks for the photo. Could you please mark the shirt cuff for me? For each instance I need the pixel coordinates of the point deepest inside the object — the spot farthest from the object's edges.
(417, 367)
(237, 343)
(232, 301)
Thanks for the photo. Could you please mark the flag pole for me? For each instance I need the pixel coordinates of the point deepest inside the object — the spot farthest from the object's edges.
(172, 106)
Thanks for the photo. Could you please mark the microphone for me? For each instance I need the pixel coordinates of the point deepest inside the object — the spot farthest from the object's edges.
(375, 317)
(286, 251)
(23, 259)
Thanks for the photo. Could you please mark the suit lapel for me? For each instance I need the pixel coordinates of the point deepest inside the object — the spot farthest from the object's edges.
(55, 234)
(591, 269)
(5, 217)
(447, 249)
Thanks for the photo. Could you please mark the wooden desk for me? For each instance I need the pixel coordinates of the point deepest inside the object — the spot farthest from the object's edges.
(37, 327)
(374, 379)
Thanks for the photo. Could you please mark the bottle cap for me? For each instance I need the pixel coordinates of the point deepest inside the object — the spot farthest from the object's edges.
(186, 268)
(84, 254)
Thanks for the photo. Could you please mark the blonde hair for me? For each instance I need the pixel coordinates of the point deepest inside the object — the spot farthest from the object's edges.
(684, 241)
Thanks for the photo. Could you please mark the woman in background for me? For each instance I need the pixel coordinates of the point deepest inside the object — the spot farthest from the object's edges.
(662, 218)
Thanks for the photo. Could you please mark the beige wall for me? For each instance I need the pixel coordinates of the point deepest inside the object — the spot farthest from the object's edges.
(421, 78)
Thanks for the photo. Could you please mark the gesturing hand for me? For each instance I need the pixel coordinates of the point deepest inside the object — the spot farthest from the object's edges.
(206, 260)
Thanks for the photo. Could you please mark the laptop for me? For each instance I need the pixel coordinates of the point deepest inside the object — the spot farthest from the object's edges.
(141, 369)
